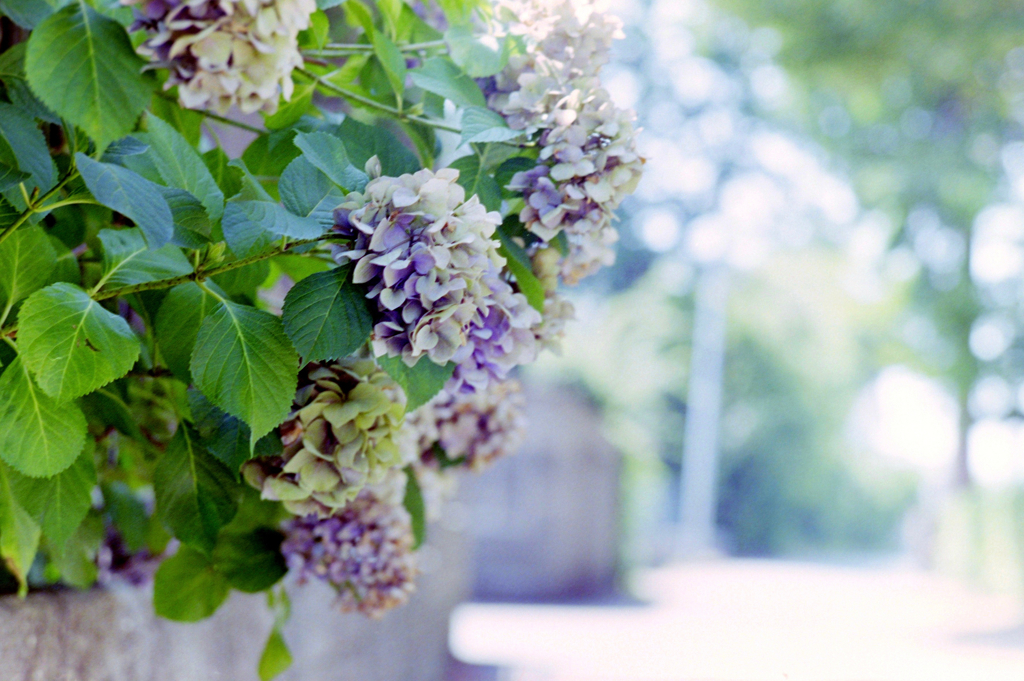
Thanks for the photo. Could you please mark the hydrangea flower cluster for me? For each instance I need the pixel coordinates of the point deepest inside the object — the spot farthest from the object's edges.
(588, 158)
(557, 313)
(476, 428)
(499, 341)
(365, 551)
(424, 251)
(339, 438)
(224, 52)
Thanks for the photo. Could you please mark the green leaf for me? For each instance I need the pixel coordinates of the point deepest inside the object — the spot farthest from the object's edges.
(252, 218)
(38, 436)
(442, 77)
(192, 226)
(28, 13)
(252, 562)
(128, 514)
(76, 557)
(27, 259)
(227, 176)
(244, 236)
(473, 55)
(120, 150)
(458, 12)
(307, 192)
(413, 502)
(225, 436)
(21, 141)
(290, 112)
(81, 64)
(12, 73)
(298, 267)
(181, 166)
(10, 176)
(327, 153)
(8, 213)
(107, 406)
(245, 364)
(196, 495)
(365, 141)
(127, 260)
(186, 121)
(421, 382)
(188, 588)
(326, 316)
(390, 11)
(509, 167)
(59, 503)
(480, 125)
(358, 15)
(243, 281)
(519, 265)
(66, 268)
(177, 325)
(275, 219)
(131, 195)
(319, 29)
(19, 534)
(269, 154)
(71, 344)
(478, 183)
(276, 658)
(392, 61)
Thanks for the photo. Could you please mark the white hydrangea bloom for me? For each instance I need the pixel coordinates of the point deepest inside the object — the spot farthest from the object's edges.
(225, 52)
(588, 159)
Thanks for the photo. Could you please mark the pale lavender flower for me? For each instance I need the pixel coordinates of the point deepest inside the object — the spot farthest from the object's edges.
(364, 550)
(423, 249)
(588, 160)
(475, 429)
(557, 313)
(499, 342)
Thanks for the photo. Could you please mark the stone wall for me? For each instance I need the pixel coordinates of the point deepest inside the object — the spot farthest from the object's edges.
(544, 522)
(113, 635)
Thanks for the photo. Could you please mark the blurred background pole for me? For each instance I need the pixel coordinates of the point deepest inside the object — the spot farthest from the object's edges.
(698, 486)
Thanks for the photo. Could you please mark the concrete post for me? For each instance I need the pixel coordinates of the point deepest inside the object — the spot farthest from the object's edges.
(698, 486)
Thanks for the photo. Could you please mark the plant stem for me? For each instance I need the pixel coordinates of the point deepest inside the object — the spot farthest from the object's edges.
(363, 47)
(35, 207)
(201, 274)
(228, 121)
(69, 202)
(217, 117)
(197, 276)
(366, 101)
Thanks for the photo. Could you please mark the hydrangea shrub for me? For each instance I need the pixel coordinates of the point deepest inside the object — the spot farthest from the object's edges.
(215, 370)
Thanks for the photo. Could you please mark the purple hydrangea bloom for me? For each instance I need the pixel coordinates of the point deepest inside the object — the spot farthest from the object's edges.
(477, 428)
(365, 551)
(500, 341)
(423, 251)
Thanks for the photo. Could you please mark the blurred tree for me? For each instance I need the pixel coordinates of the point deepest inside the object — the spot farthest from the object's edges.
(918, 96)
(799, 349)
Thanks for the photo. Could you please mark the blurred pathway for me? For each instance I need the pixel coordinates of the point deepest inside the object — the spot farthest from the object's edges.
(757, 621)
